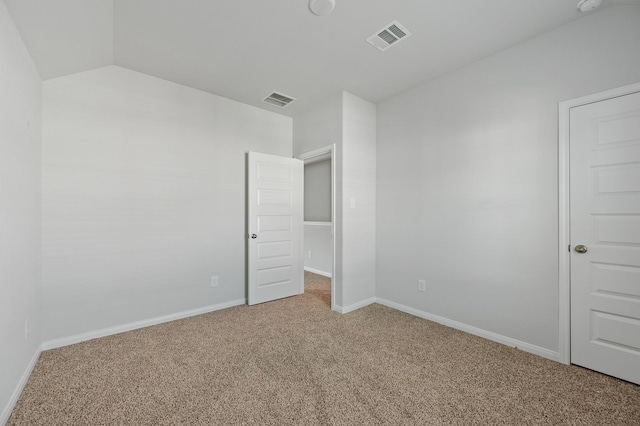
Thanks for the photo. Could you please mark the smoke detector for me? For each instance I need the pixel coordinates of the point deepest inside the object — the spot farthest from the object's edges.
(322, 7)
(389, 35)
(588, 5)
(278, 99)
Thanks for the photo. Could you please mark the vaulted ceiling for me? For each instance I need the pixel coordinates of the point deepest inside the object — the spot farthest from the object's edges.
(245, 49)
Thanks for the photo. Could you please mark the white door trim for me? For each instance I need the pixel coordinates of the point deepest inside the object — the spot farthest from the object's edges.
(564, 219)
(309, 157)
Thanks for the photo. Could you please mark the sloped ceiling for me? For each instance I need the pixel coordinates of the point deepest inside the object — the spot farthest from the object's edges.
(245, 49)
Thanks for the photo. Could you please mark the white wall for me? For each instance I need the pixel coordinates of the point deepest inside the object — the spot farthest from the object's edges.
(144, 198)
(20, 150)
(350, 123)
(467, 178)
(318, 127)
(358, 167)
(317, 241)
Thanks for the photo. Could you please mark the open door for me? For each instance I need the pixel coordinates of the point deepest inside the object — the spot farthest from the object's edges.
(605, 236)
(275, 227)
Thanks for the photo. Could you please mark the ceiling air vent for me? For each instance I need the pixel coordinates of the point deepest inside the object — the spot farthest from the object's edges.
(388, 36)
(278, 99)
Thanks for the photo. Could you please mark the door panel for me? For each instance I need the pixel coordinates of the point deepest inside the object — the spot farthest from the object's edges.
(605, 217)
(275, 219)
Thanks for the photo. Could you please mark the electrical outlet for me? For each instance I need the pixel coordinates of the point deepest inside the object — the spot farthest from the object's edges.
(309, 254)
(214, 281)
(26, 329)
(422, 285)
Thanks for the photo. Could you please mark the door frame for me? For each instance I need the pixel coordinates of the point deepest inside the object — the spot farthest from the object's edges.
(326, 152)
(564, 218)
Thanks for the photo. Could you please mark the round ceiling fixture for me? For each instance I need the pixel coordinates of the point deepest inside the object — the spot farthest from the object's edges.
(588, 5)
(322, 7)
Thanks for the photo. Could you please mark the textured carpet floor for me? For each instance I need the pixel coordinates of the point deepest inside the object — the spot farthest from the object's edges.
(294, 361)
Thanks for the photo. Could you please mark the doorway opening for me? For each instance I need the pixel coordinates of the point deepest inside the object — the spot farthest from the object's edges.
(319, 222)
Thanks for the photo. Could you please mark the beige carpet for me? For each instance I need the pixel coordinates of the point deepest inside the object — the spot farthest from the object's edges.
(293, 361)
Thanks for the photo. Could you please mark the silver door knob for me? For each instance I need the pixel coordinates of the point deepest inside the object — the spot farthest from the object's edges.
(581, 249)
(254, 236)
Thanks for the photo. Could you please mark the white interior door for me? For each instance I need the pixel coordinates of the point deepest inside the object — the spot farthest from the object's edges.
(275, 225)
(605, 236)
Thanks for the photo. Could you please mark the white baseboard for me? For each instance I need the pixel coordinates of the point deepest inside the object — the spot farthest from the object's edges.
(351, 308)
(6, 412)
(319, 272)
(527, 347)
(65, 341)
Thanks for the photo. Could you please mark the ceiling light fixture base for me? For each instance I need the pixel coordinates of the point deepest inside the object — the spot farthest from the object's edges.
(322, 7)
(588, 5)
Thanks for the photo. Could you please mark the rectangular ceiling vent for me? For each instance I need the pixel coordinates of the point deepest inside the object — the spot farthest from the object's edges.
(388, 36)
(278, 99)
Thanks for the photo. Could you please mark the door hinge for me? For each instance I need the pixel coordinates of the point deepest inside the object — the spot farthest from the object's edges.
(569, 248)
